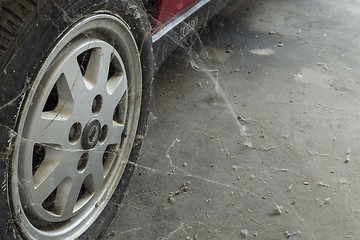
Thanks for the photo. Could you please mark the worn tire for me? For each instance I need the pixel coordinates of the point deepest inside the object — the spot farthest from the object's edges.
(31, 33)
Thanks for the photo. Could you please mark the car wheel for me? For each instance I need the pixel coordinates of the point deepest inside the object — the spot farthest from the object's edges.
(75, 92)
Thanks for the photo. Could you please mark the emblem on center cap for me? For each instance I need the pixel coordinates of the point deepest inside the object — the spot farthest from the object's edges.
(91, 134)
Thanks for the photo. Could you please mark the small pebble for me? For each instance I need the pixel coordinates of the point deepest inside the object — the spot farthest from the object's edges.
(171, 199)
(244, 233)
(347, 158)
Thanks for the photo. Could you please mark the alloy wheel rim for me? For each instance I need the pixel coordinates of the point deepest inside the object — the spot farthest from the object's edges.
(73, 149)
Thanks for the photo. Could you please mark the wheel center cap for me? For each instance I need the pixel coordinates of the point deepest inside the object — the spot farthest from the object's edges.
(91, 134)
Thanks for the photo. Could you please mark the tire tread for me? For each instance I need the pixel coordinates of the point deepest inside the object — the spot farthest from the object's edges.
(13, 18)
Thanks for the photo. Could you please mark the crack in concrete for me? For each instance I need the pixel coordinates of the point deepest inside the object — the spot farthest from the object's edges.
(172, 234)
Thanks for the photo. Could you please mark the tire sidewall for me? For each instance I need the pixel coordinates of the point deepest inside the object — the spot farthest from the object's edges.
(50, 22)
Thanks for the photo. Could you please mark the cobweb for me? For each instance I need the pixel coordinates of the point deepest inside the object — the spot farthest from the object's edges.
(252, 131)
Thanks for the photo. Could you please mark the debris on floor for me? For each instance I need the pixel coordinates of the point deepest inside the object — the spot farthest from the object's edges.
(347, 157)
(244, 233)
(325, 202)
(289, 235)
(321, 184)
(278, 209)
(183, 188)
(255, 221)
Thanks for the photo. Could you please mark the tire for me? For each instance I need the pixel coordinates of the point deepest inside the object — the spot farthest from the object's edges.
(76, 80)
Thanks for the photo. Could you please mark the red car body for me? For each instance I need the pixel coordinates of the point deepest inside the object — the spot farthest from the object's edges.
(166, 10)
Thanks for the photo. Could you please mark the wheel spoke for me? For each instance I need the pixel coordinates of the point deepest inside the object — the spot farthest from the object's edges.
(96, 167)
(62, 194)
(51, 181)
(111, 101)
(99, 63)
(70, 196)
(120, 88)
(76, 84)
(114, 133)
(50, 131)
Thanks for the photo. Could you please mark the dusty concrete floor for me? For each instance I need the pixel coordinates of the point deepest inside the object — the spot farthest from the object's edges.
(281, 131)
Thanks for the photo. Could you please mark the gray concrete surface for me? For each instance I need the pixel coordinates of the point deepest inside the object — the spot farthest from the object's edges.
(274, 149)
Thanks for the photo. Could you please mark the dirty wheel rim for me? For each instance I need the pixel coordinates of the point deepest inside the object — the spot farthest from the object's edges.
(77, 127)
